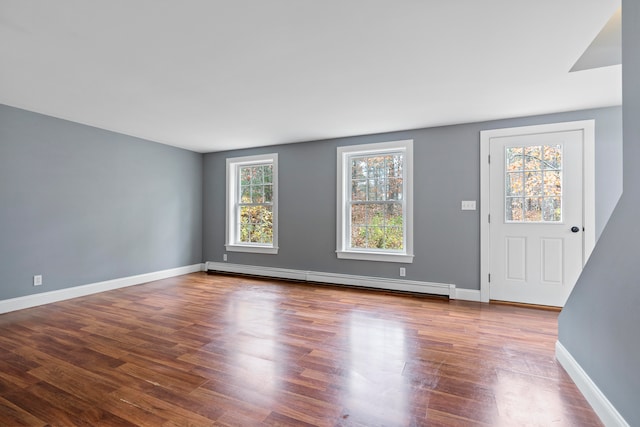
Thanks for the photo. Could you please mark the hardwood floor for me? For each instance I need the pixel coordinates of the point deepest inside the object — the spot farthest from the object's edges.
(201, 350)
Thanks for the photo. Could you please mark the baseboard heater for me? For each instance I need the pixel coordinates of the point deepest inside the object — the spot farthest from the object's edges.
(401, 285)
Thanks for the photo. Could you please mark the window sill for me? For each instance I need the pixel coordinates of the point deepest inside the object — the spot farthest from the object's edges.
(375, 256)
(252, 249)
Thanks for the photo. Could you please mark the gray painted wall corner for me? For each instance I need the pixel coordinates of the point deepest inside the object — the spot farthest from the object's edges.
(81, 205)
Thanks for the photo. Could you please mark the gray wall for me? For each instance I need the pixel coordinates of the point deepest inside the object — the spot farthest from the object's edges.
(446, 171)
(81, 205)
(600, 323)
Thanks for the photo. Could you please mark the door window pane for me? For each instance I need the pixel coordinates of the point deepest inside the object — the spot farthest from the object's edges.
(514, 184)
(552, 183)
(532, 158)
(553, 156)
(514, 209)
(533, 183)
(514, 158)
(533, 209)
(551, 209)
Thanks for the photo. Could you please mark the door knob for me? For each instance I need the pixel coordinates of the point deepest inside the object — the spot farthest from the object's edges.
(575, 229)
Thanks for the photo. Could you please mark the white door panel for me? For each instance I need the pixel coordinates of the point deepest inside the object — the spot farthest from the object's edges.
(552, 261)
(515, 257)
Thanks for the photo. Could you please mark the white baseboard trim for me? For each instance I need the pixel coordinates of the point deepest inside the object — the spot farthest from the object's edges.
(34, 300)
(468, 294)
(336, 279)
(608, 414)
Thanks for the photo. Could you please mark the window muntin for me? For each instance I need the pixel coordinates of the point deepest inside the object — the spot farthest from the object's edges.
(252, 215)
(533, 184)
(374, 202)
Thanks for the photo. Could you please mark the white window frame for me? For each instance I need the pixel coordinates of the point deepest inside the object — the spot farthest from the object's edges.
(343, 229)
(232, 198)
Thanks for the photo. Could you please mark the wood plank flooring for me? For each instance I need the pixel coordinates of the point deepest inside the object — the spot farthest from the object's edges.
(211, 350)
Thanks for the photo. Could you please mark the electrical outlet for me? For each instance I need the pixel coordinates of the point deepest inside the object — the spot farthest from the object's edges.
(224, 257)
(37, 280)
(403, 271)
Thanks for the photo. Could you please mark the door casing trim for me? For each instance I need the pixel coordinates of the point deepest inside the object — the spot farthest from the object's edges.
(588, 188)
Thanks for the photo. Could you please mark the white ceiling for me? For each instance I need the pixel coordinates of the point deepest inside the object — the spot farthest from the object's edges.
(211, 75)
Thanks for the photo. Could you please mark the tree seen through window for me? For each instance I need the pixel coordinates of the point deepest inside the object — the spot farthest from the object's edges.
(256, 204)
(376, 206)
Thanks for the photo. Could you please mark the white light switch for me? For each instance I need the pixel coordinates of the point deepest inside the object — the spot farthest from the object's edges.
(468, 205)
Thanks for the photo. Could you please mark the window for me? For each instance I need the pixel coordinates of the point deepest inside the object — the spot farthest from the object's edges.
(252, 204)
(533, 183)
(375, 202)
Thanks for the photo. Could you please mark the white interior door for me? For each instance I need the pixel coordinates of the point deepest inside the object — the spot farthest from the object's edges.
(536, 218)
